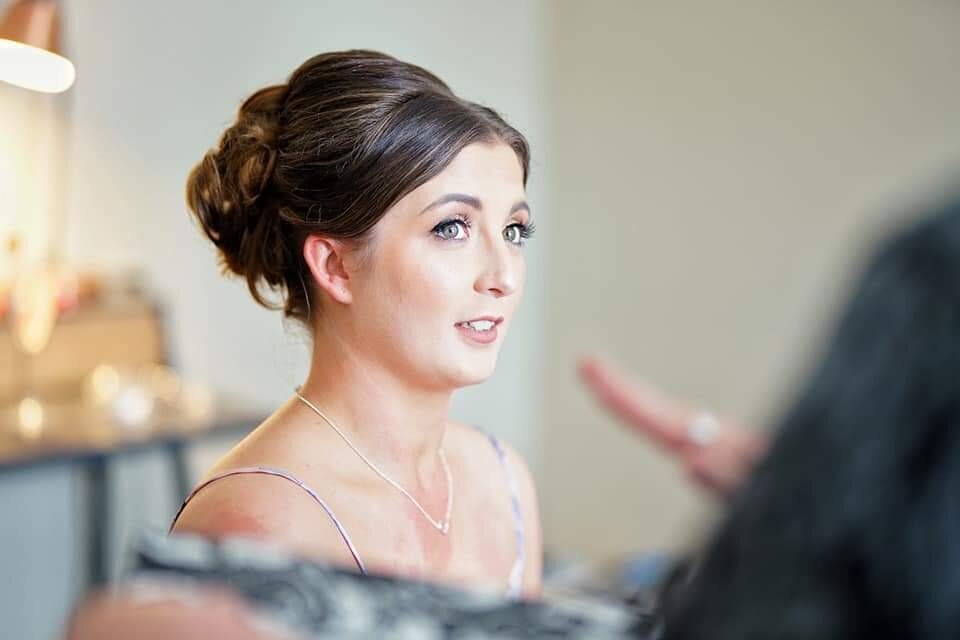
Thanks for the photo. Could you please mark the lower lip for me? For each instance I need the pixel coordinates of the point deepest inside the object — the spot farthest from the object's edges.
(479, 337)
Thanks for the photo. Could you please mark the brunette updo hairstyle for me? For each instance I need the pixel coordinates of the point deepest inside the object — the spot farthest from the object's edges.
(328, 153)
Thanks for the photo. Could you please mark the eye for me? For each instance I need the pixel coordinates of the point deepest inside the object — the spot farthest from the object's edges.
(517, 233)
(452, 230)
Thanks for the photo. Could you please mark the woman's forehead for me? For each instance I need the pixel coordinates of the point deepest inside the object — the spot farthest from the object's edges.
(489, 172)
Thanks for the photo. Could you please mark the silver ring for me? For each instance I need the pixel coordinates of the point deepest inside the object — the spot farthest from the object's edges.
(703, 429)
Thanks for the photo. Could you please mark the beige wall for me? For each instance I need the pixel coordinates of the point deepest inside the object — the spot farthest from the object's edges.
(714, 170)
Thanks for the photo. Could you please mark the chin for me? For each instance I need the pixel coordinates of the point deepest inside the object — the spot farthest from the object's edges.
(466, 374)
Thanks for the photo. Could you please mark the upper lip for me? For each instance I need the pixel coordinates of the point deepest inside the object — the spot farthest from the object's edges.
(494, 319)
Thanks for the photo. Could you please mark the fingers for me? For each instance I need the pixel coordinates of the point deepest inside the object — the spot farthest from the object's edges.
(720, 475)
(719, 466)
(641, 406)
(725, 464)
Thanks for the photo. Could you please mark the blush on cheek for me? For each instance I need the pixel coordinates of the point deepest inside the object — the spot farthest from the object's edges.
(437, 276)
(429, 293)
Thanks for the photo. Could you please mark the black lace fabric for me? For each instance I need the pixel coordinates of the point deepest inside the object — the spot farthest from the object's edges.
(320, 601)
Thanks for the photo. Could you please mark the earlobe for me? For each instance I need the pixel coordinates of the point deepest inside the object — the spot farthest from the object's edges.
(325, 258)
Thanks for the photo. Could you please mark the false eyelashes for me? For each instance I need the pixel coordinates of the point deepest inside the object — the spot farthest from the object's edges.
(463, 222)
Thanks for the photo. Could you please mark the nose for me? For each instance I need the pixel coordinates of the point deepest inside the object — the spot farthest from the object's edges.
(500, 275)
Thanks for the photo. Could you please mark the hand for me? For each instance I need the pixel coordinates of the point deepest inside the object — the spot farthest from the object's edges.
(163, 612)
(719, 466)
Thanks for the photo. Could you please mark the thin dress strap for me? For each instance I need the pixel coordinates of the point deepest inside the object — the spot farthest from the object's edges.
(516, 572)
(279, 473)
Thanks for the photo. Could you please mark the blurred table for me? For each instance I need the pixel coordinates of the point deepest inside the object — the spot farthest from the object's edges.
(89, 439)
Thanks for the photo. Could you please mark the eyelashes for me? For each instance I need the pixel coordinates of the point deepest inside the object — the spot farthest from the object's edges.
(456, 224)
(526, 230)
(458, 228)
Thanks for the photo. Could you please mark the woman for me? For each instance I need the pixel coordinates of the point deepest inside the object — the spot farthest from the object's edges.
(390, 217)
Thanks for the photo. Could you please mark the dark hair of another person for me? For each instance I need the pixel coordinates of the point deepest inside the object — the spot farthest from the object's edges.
(328, 153)
(850, 527)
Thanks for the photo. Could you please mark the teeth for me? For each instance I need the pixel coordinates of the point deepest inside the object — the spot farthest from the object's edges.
(479, 325)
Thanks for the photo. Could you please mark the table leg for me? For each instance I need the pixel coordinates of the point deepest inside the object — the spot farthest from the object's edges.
(98, 521)
(177, 453)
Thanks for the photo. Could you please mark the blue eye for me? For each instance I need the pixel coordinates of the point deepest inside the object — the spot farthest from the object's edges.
(452, 230)
(518, 233)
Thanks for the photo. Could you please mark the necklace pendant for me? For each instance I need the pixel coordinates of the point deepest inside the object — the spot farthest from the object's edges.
(441, 526)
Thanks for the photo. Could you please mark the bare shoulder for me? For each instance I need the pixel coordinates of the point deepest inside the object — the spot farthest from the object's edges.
(521, 471)
(469, 439)
(530, 507)
(526, 488)
(266, 507)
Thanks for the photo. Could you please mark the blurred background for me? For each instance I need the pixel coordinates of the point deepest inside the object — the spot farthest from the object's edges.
(705, 175)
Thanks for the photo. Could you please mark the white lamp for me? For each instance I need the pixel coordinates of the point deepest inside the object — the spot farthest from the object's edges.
(30, 47)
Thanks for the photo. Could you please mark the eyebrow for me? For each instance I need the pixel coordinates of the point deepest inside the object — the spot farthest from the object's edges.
(471, 201)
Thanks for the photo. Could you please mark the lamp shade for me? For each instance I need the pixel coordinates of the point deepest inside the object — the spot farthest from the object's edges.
(30, 47)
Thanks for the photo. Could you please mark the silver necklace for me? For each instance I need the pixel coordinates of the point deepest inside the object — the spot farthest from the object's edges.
(443, 526)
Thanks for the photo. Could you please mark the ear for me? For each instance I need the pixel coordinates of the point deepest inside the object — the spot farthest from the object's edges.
(325, 257)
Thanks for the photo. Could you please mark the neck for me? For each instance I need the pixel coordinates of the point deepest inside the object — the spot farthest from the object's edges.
(398, 426)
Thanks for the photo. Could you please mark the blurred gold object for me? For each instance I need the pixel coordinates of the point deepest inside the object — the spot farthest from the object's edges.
(132, 395)
(102, 385)
(34, 305)
(33, 313)
(121, 331)
(30, 418)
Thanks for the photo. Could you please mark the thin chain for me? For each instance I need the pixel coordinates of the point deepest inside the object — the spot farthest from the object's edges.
(443, 526)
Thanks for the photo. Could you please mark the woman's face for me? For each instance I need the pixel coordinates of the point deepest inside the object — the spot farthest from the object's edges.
(435, 291)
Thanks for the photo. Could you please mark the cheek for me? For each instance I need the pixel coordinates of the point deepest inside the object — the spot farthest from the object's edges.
(424, 289)
(520, 269)
(522, 277)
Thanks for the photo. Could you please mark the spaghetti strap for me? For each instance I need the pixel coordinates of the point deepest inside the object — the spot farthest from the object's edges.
(515, 580)
(279, 473)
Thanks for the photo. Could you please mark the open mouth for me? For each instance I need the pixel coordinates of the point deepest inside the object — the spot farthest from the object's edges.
(479, 330)
(479, 325)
